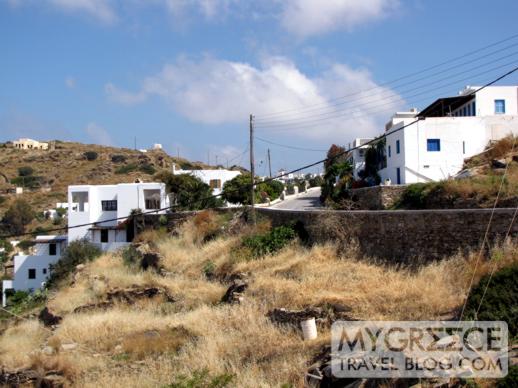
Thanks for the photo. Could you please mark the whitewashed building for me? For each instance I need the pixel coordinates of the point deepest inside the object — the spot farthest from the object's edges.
(356, 157)
(31, 271)
(30, 144)
(214, 178)
(447, 132)
(102, 210)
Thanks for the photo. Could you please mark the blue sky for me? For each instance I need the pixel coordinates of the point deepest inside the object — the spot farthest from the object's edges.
(186, 73)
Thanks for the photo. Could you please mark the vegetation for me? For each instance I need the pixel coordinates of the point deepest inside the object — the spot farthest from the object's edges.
(17, 217)
(147, 168)
(25, 171)
(270, 242)
(237, 190)
(316, 181)
(77, 252)
(375, 160)
(127, 168)
(337, 175)
(118, 158)
(499, 301)
(196, 340)
(188, 192)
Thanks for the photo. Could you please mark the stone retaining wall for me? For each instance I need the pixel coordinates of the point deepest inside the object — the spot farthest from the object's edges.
(376, 197)
(401, 235)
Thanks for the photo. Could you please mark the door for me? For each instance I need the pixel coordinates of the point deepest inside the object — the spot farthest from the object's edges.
(398, 176)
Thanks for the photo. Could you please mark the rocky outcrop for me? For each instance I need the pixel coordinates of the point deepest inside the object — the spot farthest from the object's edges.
(234, 294)
(48, 318)
(31, 377)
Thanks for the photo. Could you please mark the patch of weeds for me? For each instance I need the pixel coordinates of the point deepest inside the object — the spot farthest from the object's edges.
(202, 379)
(121, 357)
(130, 256)
(127, 168)
(270, 242)
(21, 301)
(209, 269)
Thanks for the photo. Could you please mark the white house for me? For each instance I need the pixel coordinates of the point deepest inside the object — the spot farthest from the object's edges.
(357, 156)
(98, 212)
(30, 144)
(448, 131)
(32, 271)
(214, 178)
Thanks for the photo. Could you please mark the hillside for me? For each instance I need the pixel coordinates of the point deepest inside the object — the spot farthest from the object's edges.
(68, 164)
(178, 325)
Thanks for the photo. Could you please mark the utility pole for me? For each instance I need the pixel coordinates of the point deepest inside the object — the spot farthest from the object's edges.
(135, 143)
(178, 152)
(216, 160)
(269, 163)
(208, 157)
(252, 168)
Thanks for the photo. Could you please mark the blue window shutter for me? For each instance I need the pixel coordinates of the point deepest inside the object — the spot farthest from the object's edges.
(389, 152)
(433, 145)
(397, 146)
(398, 176)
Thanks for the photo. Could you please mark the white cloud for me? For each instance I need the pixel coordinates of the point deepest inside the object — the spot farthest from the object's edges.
(98, 134)
(213, 91)
(70, 82)
(312, 17)
(99, 9)
(117, 95)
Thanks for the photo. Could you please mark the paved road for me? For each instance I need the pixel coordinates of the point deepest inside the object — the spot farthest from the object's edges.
(306, 201)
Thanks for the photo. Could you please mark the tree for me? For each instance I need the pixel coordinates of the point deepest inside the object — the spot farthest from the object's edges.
(237, 190)
(25, 171)
(18, 216)
(375, 160)
(90, 155)
(188, 192)
(338, 173)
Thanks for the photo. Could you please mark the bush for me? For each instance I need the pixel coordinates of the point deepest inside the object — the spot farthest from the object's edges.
(25, 245)
(20, 301)
(499, 302)
(316, 181)
(270, 242)
(118, 158)
(25, 171)
(130, 256)
(273, 189)
(127, 168)
(147, 168)
(18, 216)
(90, 155)
(30, 181)
(202, 379)
(77, 252)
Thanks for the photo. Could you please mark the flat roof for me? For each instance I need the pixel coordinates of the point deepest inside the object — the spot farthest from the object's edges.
(444, 106)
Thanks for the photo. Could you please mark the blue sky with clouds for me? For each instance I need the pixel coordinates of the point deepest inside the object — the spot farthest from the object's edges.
(186, 73)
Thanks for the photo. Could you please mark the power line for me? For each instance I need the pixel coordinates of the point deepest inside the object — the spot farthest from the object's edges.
(329, 107)
(391, 98)
(303, 123)
(399, 78)
(288, 146)
(155, 211)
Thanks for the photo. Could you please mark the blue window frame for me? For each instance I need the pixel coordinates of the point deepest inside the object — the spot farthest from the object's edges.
(389, 151)
(473, 109)
(433, 145)
(499, 106)
(469, 110)
(398, 175)
(397, 147)
(464, 111)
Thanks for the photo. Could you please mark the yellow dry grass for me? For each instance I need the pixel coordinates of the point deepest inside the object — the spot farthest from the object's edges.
(196, 332)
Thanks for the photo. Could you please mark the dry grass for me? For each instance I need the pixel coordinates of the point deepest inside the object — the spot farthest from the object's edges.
(149, 343)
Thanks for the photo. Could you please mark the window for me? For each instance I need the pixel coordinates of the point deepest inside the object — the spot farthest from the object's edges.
(104, 235)
(52, 249)
(152, 199)
(398, 176)
(469, 110)
(389, 152)
(152, 204)
(109, 206)
(44, 270)
(464, 111)
(499, 106)
(433, 145)
(215, 183)
(397, 147)
(473, 110)
(80, 201)
(32, 273)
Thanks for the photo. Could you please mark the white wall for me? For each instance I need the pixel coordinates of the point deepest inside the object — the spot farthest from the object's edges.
(23, 263)
(207, 175)
(485, 100)
(417, 164)
(129, 196)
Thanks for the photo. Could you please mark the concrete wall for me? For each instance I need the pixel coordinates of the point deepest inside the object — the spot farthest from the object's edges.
(402, 236)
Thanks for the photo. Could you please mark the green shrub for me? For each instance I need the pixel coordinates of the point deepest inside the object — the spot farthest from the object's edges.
(162, 220)
(77, 252)
(499, 303)
(209, 269)
(202, 379)
(414, 196)
(25, 171)
(130, 256)
(127, 168)
(20, 301)
(90, 155)
(270, 242)
(25, 244)
(18, 216)
(31, 181)
(147, 168)
(118, 158)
